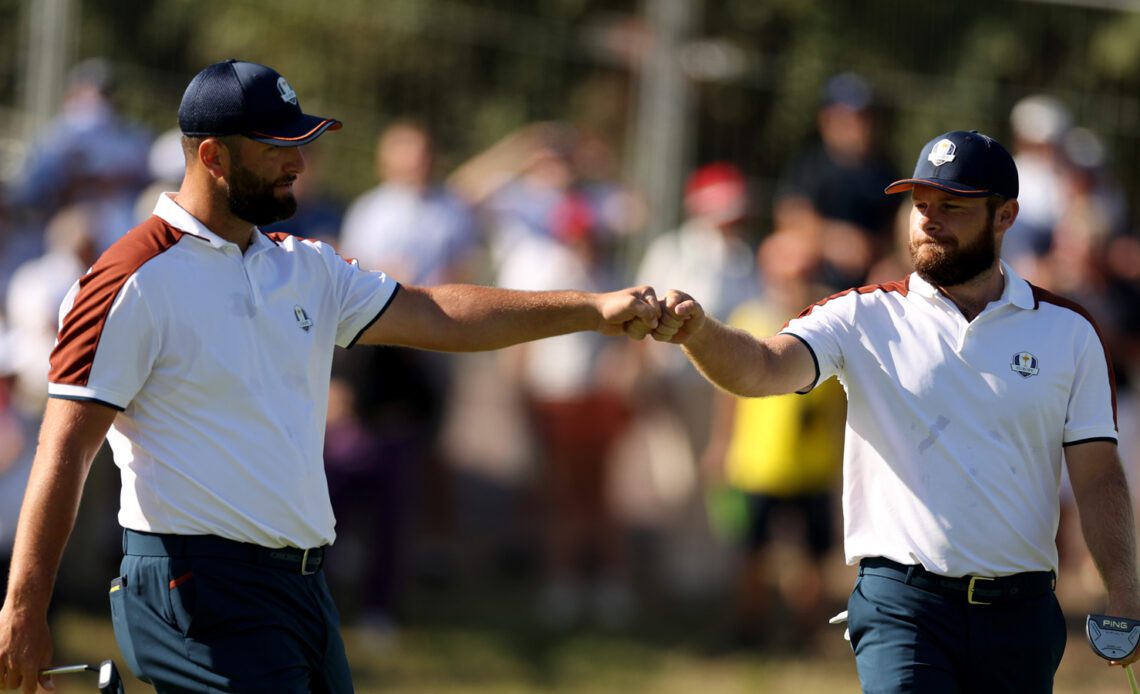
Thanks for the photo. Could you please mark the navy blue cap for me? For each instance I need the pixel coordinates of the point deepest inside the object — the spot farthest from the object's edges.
(235, 97)
(847, 89)
(964, 163)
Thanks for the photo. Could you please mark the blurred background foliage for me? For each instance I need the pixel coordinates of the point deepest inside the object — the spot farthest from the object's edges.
(746, 78)
(476, 70)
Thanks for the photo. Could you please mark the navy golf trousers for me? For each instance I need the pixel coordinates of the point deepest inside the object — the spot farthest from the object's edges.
(204, 614)
(917, 633)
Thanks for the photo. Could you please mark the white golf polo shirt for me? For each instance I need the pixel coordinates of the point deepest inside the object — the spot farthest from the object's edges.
(955, 429)
(220, 363)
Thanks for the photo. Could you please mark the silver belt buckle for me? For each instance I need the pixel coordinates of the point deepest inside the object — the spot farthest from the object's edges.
(305, 564)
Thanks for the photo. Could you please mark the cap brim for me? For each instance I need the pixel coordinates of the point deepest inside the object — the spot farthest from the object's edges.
(952, 188)
(300, 132)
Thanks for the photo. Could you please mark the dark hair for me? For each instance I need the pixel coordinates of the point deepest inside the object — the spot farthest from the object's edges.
(190, 143)
(993, 202)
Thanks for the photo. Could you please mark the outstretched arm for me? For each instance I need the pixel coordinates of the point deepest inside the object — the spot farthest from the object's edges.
(70, 436)
(1105, 506)
(734, 359)
(471, 318)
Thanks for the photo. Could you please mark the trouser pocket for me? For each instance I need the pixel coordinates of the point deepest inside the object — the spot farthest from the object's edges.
(119, 598)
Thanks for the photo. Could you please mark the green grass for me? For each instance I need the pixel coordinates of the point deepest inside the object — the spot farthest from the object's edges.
(458, 648)
(479, 637)
(444, 660)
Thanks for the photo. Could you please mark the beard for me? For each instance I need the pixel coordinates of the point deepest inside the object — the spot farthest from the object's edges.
(951, 264)
(254, 199)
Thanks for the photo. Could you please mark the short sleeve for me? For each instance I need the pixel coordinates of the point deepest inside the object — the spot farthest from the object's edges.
(1090, 413)
(105, 350)
(361, 296)
(824, 328)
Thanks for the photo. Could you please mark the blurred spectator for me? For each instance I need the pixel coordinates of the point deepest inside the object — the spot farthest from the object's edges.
(88, 154)
(896, 262)
(410, 226)
(576, 388)
(525, 187)
(783, 456)
(384, 435)
(707, 257)
(1073, 261)
(16, 452)
(166, 163)
(620, 211)
(384, 471)
(15, 247)
(1094, 197)
(1039, 123)
(1122, 270)
(519, 181)
(832, 191)
(367, 468)
(35, 293)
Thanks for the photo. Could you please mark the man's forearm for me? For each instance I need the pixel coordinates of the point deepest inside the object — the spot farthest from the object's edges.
(724, 355)
(46, 521)
(741, 364)
(469, 318)
(71, 435)
(1105, 507)
(1110, 533)
(491, 318)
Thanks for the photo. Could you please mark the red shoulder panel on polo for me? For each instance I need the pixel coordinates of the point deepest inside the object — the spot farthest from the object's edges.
(79, 336)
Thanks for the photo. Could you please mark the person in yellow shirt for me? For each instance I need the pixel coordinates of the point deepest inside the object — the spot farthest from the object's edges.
(778, 459)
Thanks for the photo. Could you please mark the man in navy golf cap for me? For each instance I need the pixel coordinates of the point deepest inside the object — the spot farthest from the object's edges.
(967, 389)
(965, 164)
(200, 347)
(239, 98)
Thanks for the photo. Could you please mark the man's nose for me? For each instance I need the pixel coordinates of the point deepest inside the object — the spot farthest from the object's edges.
(295, 162)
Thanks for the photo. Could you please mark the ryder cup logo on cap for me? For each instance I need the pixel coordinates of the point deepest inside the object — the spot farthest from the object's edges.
(942, 153)
(964, 163)
(287, 93)
(235, 97)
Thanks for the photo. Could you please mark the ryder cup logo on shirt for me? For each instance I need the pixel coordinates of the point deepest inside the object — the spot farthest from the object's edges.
(1025, 364)
(303, 321)
(942, 152)
(287, 93)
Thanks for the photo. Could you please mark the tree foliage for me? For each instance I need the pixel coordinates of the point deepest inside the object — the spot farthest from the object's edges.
(478, 69)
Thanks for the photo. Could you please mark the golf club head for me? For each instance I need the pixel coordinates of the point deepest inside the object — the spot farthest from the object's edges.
(1112, 638)
(109, 680)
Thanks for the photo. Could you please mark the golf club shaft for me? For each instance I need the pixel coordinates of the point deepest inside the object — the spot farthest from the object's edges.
(65, 669)
(1131, 679)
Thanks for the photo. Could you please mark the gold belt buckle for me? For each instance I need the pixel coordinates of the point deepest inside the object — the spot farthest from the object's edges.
(970, 590)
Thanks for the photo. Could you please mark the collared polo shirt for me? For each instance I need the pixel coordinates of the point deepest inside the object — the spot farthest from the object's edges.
(955, 428)
(219, 362)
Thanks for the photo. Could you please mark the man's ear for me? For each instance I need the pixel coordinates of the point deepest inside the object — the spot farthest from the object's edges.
(1006, 214)
(214, 155)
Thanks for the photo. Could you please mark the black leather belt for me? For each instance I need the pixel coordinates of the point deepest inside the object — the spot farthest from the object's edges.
(977, 590)
(303, 561)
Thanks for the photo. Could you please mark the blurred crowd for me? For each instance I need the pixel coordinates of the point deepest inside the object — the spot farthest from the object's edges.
(604, 474)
